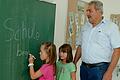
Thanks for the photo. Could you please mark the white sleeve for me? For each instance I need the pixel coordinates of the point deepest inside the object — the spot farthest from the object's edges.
(115, 36)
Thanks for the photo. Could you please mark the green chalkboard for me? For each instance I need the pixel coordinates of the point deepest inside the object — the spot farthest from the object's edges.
(24, 25)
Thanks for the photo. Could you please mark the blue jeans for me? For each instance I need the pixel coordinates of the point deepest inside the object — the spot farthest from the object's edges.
(94, 73)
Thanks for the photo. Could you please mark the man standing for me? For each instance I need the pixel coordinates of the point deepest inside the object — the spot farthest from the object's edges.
(98, 46)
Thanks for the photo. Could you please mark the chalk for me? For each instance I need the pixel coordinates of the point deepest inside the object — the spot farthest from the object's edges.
(32, 56)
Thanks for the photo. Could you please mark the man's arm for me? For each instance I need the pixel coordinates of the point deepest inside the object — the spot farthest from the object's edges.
(114, 61)
(77, 55)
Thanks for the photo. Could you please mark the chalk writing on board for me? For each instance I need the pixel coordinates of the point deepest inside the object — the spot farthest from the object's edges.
(23, 31)
(21, 52)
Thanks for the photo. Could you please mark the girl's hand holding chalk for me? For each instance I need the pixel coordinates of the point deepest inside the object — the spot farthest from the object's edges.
(31, 58)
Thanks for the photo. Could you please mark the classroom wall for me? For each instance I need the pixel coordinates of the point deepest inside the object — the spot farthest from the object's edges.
(110, 7)
(60, 24)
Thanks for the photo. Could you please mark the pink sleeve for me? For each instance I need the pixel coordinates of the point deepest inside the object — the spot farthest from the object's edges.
(43, 69)
(47, 71)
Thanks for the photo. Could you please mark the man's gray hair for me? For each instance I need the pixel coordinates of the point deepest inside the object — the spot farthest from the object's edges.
(98, 5)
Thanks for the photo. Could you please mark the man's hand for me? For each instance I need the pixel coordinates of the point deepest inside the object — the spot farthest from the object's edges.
(107, 76)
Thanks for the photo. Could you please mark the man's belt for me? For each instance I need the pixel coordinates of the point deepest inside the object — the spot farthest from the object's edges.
(94, 65)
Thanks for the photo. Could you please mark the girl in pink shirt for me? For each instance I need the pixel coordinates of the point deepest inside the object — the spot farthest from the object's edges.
(48, 55)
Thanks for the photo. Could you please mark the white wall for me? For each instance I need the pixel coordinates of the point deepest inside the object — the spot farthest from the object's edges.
(60, 24)
(110, 7)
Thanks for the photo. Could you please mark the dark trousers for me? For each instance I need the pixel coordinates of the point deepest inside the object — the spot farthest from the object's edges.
(93, 72)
